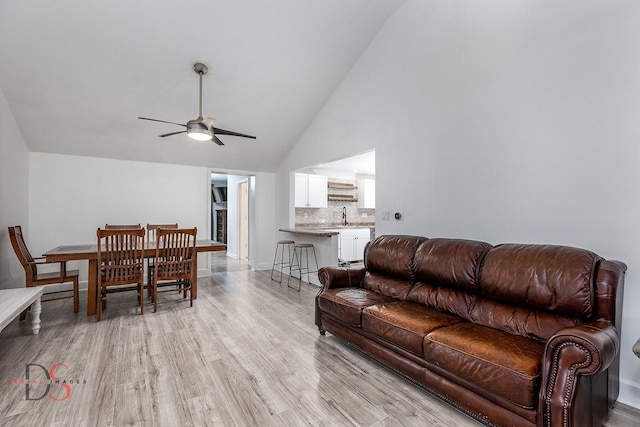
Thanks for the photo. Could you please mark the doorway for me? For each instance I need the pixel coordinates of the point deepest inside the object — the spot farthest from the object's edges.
(243, 220)
(234, 195)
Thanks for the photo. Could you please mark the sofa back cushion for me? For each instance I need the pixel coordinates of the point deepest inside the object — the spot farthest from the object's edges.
(535, 324)
(453, 263)
(389, 264)
(446, 272)
(552, 279)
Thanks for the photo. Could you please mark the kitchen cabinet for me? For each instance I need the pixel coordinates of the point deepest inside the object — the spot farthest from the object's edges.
(310, 191)
(367, 193)
(352, 242)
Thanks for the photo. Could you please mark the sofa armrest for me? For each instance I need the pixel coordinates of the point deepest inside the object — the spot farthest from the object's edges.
(588, 349)
(336, 277)
(340, 277)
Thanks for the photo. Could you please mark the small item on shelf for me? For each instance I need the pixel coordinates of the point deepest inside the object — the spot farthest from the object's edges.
(342, 198)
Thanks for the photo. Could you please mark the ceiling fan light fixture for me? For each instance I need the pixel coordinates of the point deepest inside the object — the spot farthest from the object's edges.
(199, 132)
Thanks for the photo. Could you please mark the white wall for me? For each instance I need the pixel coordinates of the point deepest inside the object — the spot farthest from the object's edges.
(263, 227)
(503, 121)
(232, 214)
(14, 187)
(71, 196)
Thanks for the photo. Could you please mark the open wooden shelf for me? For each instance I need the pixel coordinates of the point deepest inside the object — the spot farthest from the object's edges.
(342, 185)
(342, 198)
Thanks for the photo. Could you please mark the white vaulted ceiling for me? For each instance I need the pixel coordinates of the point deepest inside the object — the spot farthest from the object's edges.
(76, 74)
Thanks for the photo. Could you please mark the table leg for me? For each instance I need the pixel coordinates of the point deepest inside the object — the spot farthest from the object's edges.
(92, 285)
(36, 309)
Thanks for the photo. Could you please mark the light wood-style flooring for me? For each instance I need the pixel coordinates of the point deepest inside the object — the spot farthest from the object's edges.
(247, 354)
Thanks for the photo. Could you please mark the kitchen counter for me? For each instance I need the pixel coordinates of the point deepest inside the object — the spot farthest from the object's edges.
(324, 230)
(311, 231)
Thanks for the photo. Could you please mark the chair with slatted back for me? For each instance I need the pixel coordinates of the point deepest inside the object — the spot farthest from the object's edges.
(36, 278)
(174, 262)
(120, 264)
(122, 226)
(151, 240)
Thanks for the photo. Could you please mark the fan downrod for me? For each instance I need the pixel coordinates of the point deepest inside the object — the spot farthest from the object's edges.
(200, 68)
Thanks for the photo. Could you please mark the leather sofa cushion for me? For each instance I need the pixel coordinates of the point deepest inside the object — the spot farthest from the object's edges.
(388, 286)
(404, 324)
(450, 262)
(557, 279)
(491, 361)
(346, 304)
(442, 298)
(529, 323)
(392, 256)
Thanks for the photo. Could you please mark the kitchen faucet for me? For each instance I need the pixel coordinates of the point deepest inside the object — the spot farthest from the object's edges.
(344, 216)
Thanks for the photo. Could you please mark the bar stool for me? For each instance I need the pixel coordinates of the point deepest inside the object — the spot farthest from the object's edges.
(301, 262)
(289, 246)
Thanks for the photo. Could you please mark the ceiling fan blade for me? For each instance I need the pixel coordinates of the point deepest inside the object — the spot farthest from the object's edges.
(216, 140)
(163, 121)
(172, 133)
(228, 132)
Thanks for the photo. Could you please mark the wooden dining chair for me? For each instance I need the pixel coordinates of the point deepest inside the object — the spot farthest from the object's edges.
(151, 240)
(120, 264)
(33, 277)
(174, 262)
(122, 226)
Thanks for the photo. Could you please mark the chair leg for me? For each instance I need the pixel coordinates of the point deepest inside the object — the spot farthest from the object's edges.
(141, 295)
(150, 282)
(76, 299)
(155, 295)
(99, 305)
(23, 315)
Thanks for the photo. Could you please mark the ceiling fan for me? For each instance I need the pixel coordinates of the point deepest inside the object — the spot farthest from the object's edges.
(200, 129)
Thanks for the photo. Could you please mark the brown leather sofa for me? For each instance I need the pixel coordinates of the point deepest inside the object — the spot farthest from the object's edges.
(513, 334)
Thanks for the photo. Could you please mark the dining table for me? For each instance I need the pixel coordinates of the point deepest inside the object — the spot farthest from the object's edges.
(89, 252)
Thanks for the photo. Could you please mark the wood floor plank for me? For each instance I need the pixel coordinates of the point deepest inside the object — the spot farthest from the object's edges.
(246, 354)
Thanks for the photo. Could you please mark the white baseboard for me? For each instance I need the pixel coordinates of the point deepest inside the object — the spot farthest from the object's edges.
(629, 393)
(264, 266)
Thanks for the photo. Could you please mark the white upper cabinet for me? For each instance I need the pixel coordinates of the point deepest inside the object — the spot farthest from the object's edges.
(302, 188)
(310, 191)
(367, 193)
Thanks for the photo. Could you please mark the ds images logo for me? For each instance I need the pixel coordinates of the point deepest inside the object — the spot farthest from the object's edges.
(40, 382)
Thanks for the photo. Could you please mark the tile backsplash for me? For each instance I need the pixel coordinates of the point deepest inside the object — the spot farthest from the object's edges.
(332, 215)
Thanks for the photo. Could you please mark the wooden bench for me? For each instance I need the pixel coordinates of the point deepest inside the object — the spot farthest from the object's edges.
(15, 301)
